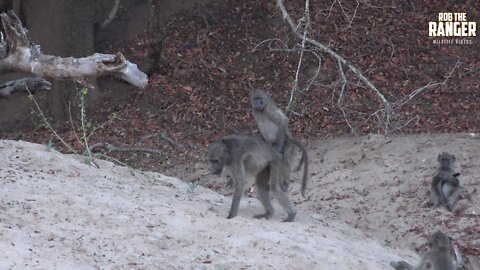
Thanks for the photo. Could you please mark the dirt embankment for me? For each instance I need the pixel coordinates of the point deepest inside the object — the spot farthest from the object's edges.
(380, 186)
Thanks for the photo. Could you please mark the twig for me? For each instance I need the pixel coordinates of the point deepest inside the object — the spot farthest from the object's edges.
(110, 119)
(417, 118)
(344, 82)
(319, 67)
(393, 48)
(269, 42)
(302, 49)
(71, 122)
(346, 15)
(45, 121)
(399, 103)
(83, 127)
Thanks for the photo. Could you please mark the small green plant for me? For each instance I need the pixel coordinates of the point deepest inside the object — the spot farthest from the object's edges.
(49, 145)
(86, 129)
(89, 160)
(38, 111)
(192, 186)
(84, 126)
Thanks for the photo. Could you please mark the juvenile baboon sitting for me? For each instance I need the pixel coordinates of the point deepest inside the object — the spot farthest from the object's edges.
(245, 154)
(445, 187)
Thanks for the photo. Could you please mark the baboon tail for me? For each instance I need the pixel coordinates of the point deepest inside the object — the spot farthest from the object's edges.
(304, 160)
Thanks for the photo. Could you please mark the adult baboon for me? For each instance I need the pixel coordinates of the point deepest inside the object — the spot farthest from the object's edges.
(245, 154)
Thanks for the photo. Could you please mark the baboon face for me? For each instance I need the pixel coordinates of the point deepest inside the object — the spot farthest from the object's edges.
(259, 99)
(439, 240)
(446, 160)
(217, 155)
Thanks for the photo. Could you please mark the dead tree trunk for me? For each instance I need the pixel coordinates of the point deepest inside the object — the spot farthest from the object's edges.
(63, 28)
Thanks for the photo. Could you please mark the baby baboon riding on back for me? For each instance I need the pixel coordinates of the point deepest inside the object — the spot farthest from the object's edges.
(273, 125)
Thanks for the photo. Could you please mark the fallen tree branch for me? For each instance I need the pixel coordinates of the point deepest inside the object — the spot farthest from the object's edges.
(23, 55)
(112, 148)
(27, 85)
(162, 136)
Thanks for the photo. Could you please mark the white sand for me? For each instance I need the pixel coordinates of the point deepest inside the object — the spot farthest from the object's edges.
(56, 212)
(363, 211)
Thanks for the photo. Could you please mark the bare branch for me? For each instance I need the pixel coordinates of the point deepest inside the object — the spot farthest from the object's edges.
(324, 48)
(387, 107)
(344, 82)
(28, 85)
(399, 103)
(353, 16)
(25, 56)
(317, 71)
(111, 15)
(383, 115)
(302, 50)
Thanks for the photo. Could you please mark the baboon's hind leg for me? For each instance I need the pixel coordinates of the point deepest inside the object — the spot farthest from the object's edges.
(453, 199)
(262, 180)
(285, 202)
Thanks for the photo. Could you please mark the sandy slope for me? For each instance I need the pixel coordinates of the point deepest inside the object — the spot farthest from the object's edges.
(56, 212)
(379, 186)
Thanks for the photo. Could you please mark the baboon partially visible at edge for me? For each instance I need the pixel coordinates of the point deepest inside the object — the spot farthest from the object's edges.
(436, 258)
